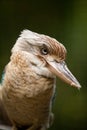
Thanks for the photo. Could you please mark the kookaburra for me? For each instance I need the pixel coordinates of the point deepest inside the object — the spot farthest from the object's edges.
(28, 85)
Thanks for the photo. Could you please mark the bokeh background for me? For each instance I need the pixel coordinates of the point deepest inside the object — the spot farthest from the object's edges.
(65, 20)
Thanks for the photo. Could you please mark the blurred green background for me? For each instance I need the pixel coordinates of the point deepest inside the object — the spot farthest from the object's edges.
(65, 20)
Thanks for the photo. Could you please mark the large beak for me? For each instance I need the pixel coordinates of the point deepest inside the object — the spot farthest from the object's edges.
(61, 70)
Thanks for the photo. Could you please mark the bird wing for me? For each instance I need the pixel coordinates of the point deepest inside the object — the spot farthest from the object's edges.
(5, 123)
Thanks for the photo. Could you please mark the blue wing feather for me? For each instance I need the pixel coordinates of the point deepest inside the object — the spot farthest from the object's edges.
(2, 78)
(3, 74)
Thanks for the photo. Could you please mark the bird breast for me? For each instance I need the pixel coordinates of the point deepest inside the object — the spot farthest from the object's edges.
(26, 94)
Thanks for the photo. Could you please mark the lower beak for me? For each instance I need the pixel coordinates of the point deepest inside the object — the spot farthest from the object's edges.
(61, 70)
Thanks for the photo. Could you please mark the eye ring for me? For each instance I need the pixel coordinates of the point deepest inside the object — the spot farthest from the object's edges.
(44, 51)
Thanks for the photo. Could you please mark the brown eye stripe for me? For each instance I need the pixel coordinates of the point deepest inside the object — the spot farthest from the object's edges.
(56, 48)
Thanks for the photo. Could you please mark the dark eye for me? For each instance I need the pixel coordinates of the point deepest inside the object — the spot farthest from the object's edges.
(44, 51)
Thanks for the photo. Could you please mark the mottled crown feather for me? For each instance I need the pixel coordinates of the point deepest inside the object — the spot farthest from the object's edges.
(28, 37)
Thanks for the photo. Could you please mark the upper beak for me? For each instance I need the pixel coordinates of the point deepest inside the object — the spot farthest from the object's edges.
(61, 70)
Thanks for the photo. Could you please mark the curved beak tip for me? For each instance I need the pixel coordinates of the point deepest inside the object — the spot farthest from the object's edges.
(77, 85)
(61, 70)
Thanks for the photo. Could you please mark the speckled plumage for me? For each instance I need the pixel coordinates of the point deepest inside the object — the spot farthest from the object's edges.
(26, 94)
(28, 86)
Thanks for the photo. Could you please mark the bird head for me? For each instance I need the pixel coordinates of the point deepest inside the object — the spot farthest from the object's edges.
(45, 55)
